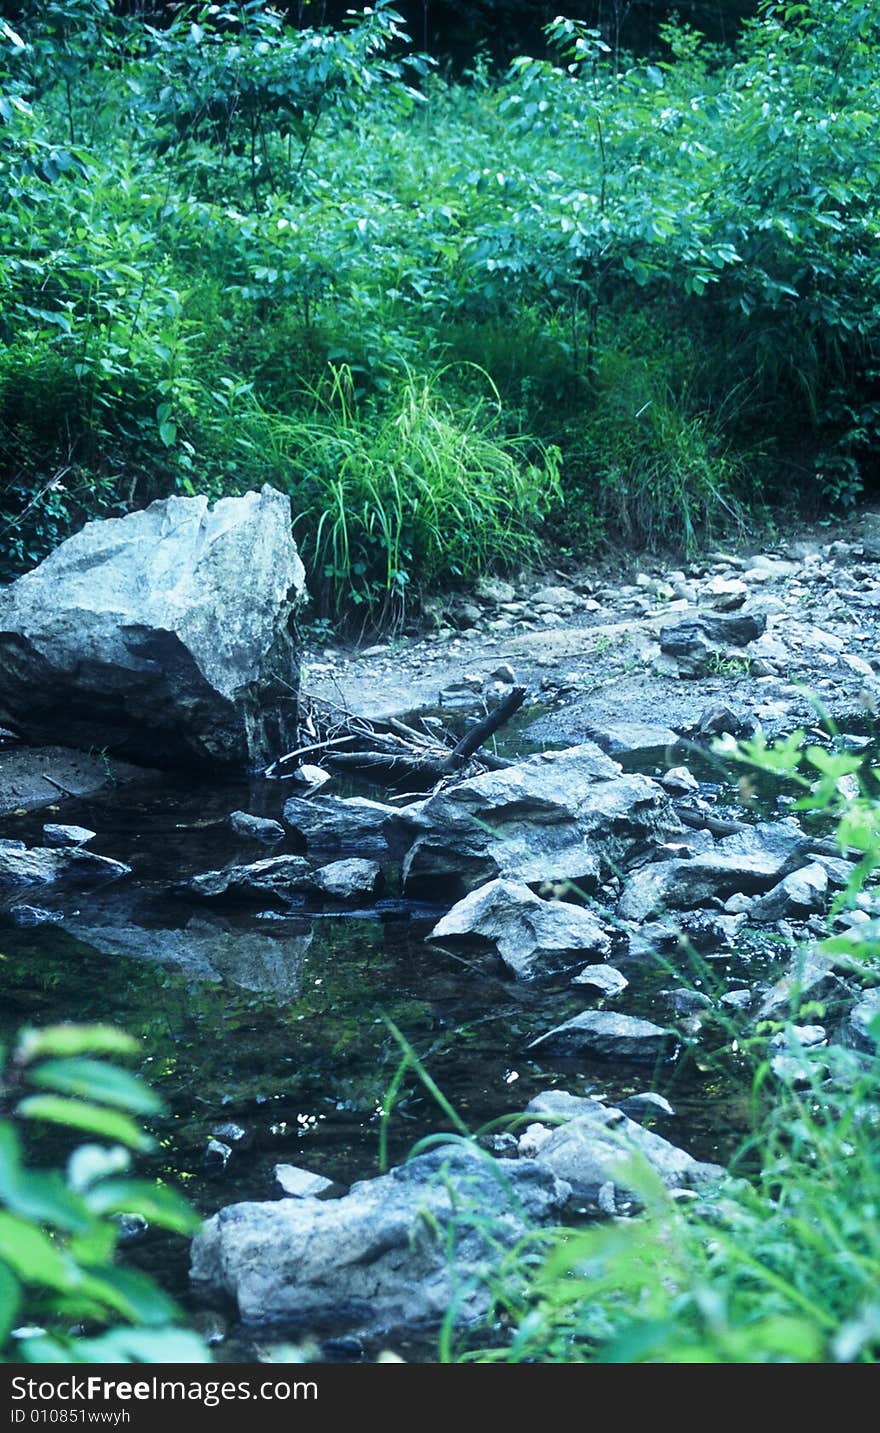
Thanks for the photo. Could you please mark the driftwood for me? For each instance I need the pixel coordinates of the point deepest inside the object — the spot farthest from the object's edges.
(396, 750)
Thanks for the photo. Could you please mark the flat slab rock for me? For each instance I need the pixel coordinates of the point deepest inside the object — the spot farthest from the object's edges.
(332, 823)
(532, 936)
(377, 1257)
(278, 876)
(43, 865)
(611, 1036)
(684, 884)
(560, 816)
(166, 635)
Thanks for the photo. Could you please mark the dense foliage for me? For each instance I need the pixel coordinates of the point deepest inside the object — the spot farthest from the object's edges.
(223, 236)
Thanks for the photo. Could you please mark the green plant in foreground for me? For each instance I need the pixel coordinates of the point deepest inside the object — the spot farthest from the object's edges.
(62, 1289)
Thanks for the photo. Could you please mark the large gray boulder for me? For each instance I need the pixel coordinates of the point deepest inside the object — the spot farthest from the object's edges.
(166, 635)
(532, 936)
(380, 1255)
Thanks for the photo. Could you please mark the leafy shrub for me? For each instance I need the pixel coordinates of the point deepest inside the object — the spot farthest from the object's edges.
(62, 1288)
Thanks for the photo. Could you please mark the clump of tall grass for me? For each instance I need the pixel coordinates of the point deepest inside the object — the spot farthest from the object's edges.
(400, 494)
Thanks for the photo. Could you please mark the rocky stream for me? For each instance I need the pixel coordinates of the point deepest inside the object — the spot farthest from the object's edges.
(574, 933)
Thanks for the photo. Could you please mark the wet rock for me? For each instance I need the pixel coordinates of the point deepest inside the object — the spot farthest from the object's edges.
(349, 880)
(677, 885)
(561, 816)
(257, 828)
(40, 866)
(25, 917)
(804, 1036)
(595, 1142)
(603, 978)
(687, 1002)
(8, 844)
(810, 976)
(378, 1256)
(299, 1183)
(718, 719)
(217, 1156)
(693, 642)
(166, 634)
(602, 1032)
(532, 936)
(865, 1013)
(329, 823)
(233, 1134)
(797, 895)
(55, 835)
(279, 876)
(631, 737)
(504, 673)
(646, 1105)
(737, 999)
(678, 781)
(701, 930)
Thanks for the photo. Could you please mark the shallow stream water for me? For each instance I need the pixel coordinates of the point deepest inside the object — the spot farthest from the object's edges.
(279, 1024)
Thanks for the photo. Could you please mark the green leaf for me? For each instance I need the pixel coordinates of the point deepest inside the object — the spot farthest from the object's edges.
(168, 433)
(73, 1040)
(31, 1255)
(41, 1197)
(141, 1345)
(96, 1080)
(158, 1204)
(10, 1301)
(131, 1293)
(78, 1115)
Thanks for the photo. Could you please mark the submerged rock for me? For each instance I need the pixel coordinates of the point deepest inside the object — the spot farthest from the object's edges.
(532, 936)
(208, 950)
(612, 1036)
(378, 1256)
(166, 635)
